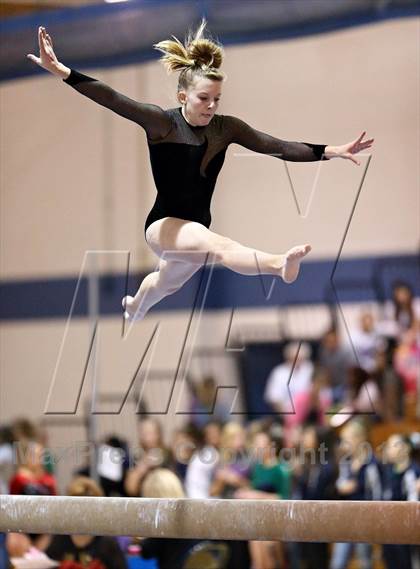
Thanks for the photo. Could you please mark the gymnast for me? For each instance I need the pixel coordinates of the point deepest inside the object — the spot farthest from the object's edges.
(187, 146)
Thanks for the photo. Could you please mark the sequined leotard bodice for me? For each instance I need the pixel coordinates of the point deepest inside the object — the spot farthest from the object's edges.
(186, 159)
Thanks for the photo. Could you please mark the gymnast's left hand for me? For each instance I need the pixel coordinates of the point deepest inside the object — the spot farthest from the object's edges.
(348, 150)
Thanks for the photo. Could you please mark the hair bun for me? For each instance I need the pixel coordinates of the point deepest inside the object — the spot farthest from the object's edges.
(197, 51)
(196, 57)
(205, 53)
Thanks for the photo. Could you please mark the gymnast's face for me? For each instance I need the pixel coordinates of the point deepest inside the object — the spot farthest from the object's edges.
(200, 101)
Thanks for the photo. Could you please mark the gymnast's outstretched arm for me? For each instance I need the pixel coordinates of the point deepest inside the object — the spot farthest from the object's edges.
(241, 133)
(152, 118)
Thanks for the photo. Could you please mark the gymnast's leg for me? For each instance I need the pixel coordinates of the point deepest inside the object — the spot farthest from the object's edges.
(169, 278)
(178, 236)
(183, 247)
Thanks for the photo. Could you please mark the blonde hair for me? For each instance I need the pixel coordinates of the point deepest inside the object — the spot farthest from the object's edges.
(84, 486)
(198, 57)
(229, 432)
(356, 427)
(162, 483)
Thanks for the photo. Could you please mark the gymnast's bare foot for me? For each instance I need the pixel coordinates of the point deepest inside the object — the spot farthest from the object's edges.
(291, 262)
(131, 309)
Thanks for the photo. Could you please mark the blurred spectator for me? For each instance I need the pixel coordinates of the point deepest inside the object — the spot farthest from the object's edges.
(403, 310)
(233, 469)
(358, 479)
(31, 477)
(84, 486)
(4, 556)
(366, 341)
(400, 482)
(400, 314)
(6, 458)
(18, 544)
(112, 465)
(271, 426)
(314, 476)
(390, 384)
(415, 454)
(203, 463)
(207, 404)
(185, 442)
(162, 483)
(230, 475)
(402, 296)
(48, 457)
(289, 379)
(153, 454)
(310, 406)
(83, 549)
(407, 358)
(150, 434)
(269, 480)
(212, 434)
(362, 397)
(363, 391)
(24, 429)
(23, 554)
(316, 470)
(336, 359)
(170, 553)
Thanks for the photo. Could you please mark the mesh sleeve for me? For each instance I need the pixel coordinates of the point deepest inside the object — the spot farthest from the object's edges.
(152, 118)
(242, 133)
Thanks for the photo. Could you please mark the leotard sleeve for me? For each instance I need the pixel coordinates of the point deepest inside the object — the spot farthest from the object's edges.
(240, 132)
(152, 118)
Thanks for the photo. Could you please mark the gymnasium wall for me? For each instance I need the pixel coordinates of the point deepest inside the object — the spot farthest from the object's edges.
(75, 177)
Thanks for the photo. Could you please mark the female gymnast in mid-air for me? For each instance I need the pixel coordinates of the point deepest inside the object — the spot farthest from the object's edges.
(187, 147)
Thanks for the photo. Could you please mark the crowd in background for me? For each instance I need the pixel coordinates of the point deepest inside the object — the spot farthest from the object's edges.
(316, 445)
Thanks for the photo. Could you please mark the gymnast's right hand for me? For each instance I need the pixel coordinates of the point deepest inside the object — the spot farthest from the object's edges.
(47, 58)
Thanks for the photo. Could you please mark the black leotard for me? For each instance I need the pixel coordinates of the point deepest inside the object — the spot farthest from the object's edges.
(186, 159)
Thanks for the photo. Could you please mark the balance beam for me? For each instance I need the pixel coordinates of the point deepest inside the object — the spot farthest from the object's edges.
(271, 520)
